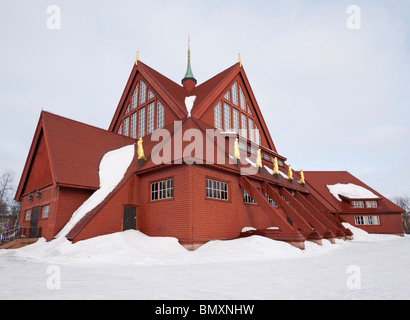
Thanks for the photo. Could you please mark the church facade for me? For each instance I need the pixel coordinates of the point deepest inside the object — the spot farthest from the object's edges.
(203, 167)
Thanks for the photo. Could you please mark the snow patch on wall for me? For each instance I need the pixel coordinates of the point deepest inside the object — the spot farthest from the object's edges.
(350, 191)
(112, 169)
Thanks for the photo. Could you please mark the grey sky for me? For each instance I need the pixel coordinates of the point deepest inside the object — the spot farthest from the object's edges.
(333, 98)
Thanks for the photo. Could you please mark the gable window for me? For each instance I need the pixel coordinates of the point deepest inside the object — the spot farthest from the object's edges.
(150, 95)
(218, 116)
(126, 126)
(141, 131)
(227, 116)
(143, 92)
(227, 96)
(160, 116)
(120, 129)
(134, 98)
(235, 114)
(151, 111)
(251, 131)
(244, 130)
(134, 125)
(162, 190)
(235, 93)
(242, 97)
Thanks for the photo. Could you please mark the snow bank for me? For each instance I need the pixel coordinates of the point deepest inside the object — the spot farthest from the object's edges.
(350, 191)
(189, 104)
(360, 235)
(112, 169)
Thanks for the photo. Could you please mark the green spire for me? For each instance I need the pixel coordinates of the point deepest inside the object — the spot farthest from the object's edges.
(189, 74)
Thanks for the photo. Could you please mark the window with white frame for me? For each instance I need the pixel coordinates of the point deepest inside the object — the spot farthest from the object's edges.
(271, 202)
(357, 204)
(162, 190)
(45, 210)
(247, 198)
(28, 214)
(371, 204)
(141, 124)
(151, 119)
(216, 189)
(366, 220)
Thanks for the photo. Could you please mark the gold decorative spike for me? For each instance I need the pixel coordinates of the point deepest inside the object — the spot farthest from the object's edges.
(302, 177)
(275, 166)
(239, 60)
(141, 154)
(236, 147)
(290, 173)
(138, 58)
(259, 159)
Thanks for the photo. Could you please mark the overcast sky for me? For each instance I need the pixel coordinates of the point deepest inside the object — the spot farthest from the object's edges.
(333, 98)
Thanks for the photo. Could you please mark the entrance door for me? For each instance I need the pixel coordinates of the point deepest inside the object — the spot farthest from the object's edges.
(34, 222)
(130, 218)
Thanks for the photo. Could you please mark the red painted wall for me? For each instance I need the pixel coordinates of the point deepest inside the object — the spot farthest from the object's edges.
(389, 223)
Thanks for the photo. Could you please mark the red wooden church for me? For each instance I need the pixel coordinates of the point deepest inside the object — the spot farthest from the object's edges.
(204, 167)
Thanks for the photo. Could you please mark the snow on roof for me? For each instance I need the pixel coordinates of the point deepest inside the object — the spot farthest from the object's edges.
(350, 191)
(189, 104)
(113, 167)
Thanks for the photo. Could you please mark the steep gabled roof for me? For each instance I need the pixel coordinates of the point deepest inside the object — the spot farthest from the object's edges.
(74, 149)
(317, 182)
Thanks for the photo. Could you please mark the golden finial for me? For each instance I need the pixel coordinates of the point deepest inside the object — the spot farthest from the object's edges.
(236, 147)
(138, 58)
(302, 177)
(275, 166)
(239, 60)
(290, 173)
(141, 154)
(259, 159)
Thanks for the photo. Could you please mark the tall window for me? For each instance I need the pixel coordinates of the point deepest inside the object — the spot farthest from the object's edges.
(160, 116)
(44, 211)
(162, 190)
(143, 92)
(216, 189)
(242, 97)
(244, 131)
(126, 126)
(139, 118)
(134, 98)
(134, 125)
(235, 93)
(251, 131)
(227, 116)
(151, 114)
(141, 124)
(218, 116)
(235, 114)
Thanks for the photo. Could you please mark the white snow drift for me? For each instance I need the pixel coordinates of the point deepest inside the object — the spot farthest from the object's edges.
(350, 191)
(112, 169)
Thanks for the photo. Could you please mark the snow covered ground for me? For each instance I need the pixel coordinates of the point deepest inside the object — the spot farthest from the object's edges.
(130, 265)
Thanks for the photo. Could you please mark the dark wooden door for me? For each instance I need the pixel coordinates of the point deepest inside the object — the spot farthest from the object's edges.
(130, 218)
(34, 222)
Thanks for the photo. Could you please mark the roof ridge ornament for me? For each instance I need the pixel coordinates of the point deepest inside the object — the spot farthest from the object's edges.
(189, 74)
